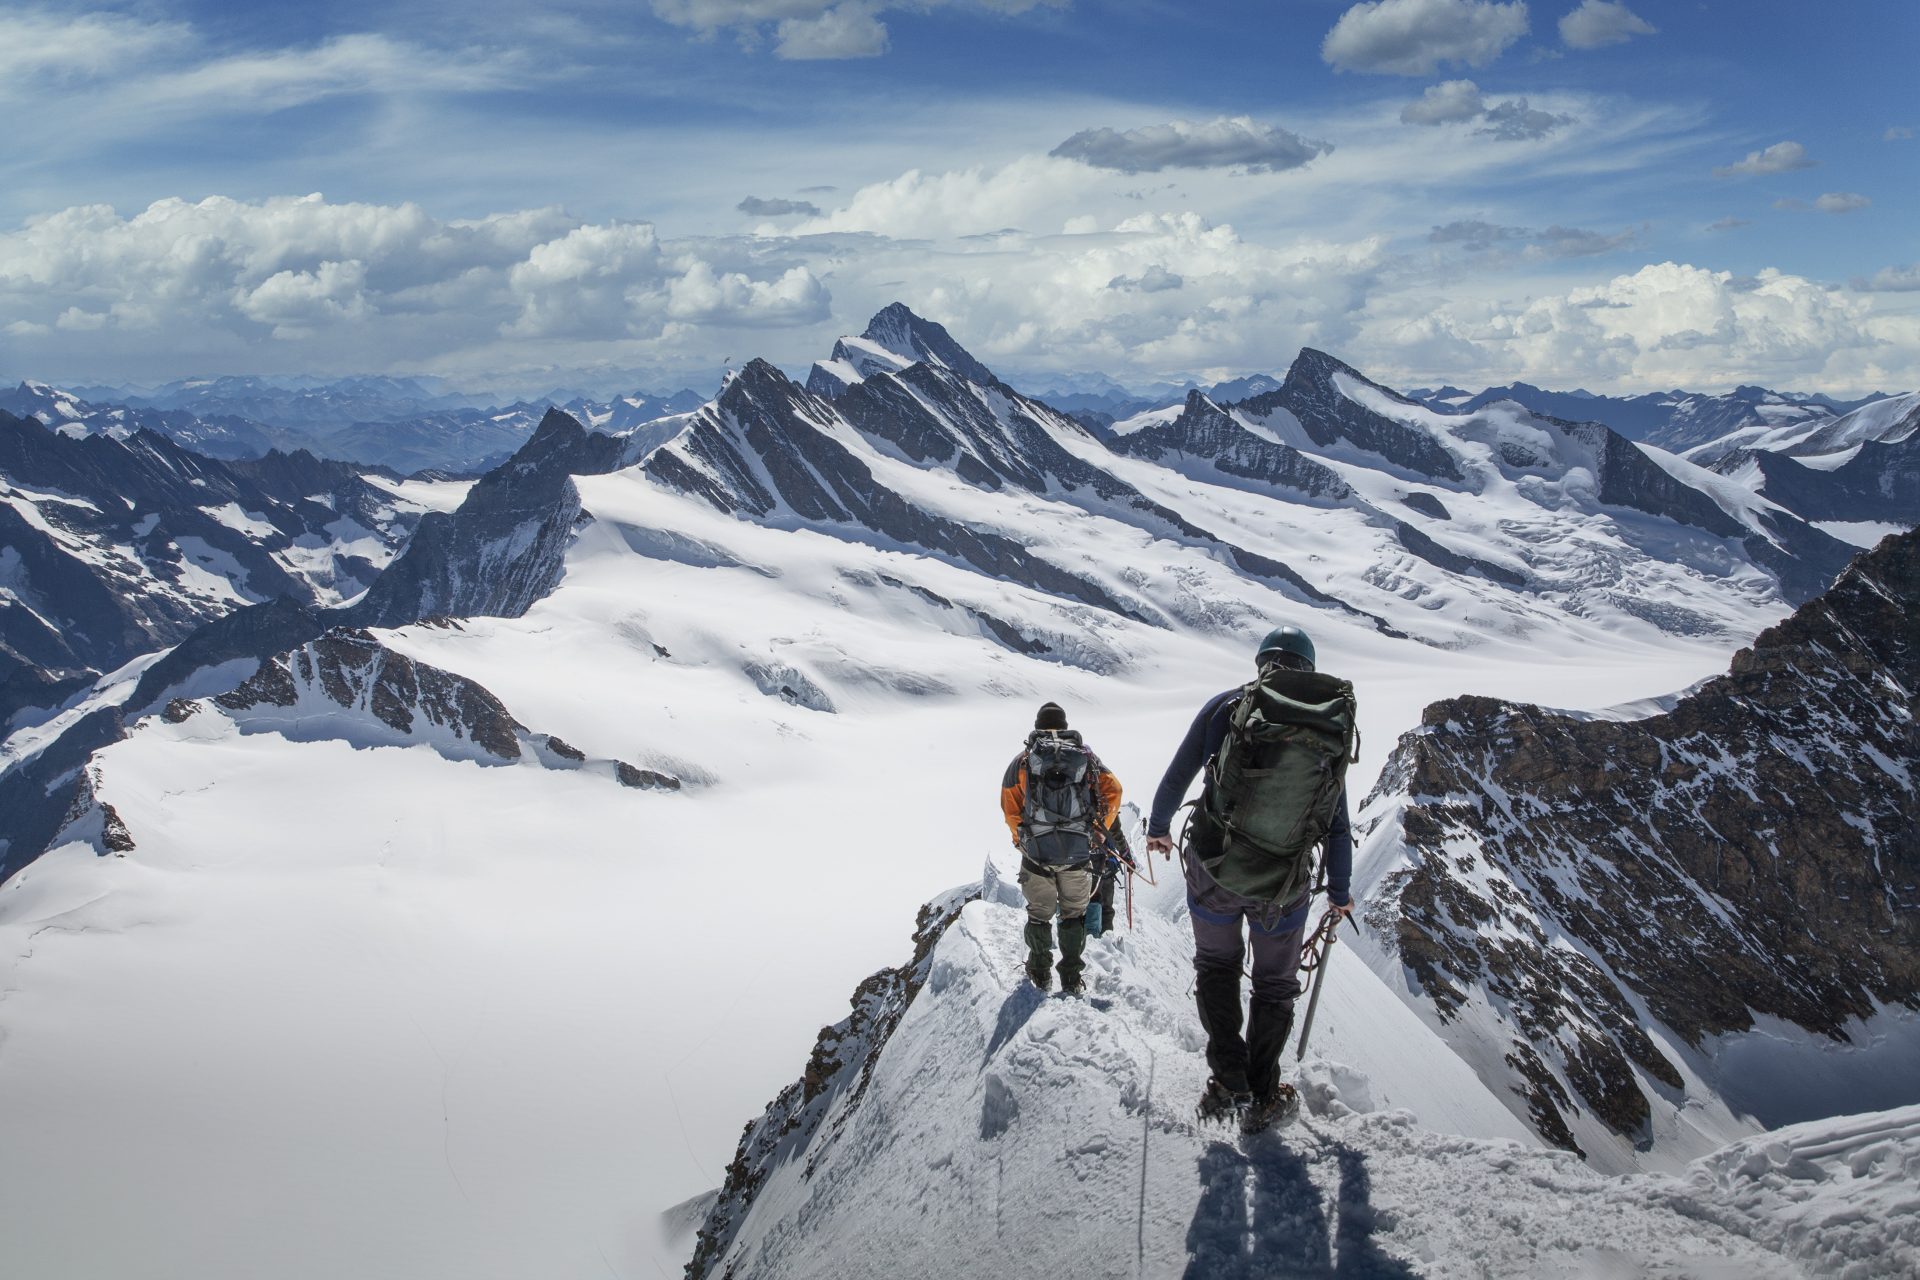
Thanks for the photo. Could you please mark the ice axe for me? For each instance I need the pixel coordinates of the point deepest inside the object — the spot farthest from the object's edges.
(1319, 948)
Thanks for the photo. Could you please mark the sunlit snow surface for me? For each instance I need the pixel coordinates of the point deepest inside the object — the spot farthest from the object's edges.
(361, 1009)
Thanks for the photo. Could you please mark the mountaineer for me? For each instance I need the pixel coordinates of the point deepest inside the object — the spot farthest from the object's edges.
(1275, 753)
(1059, 802)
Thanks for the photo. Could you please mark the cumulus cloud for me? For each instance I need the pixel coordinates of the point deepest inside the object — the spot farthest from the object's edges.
(1458, 101)
(1890, 280)
(1781, 157)
(1448, 102)
(1598, 23)
(1670, 324)
(1417, 37)
(1841, 202)
(1237, 141)
(755, 207)
(368, 285)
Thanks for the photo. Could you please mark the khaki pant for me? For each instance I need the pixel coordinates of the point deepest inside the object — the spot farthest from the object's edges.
(1066, 891)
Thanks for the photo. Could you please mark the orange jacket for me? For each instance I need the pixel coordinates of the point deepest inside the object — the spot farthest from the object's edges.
(1013, 793)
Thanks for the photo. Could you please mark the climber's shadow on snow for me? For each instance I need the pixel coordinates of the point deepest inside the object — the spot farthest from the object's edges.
(1020, 1004)
(1260, 1215)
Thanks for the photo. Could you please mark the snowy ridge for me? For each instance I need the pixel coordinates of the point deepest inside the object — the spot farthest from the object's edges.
(962, 1123)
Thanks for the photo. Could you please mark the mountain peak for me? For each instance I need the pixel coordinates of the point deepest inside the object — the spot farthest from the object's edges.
(919, 340)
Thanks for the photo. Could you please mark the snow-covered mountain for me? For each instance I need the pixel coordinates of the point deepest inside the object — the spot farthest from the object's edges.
(828, 617)
(1673, 420)
(115, 548)
(1641, 926)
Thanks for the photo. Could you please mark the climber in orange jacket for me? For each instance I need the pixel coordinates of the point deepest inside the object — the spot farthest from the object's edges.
(1059, 802)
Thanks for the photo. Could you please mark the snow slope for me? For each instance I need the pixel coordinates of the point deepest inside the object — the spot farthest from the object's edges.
(1000, 1131)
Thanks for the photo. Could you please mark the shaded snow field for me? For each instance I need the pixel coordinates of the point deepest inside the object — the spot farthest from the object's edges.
(492, 1018)
(1009, 1133)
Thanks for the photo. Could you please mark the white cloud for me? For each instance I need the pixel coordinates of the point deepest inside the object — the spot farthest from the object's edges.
(1667, 324)
(1897, 133)
(37, 43)
(1237, 141)
(1841, 202)
(1417, 37)
(1448, 102)
(844, 31)
(1155, 279)
(1030, 191)
(1781, 157)
(1890, 280)
(365, 286)
(703, 296)
(1598, 23)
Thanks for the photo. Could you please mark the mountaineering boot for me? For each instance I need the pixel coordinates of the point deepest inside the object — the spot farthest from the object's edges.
(1269, 1023)
(1040, 954)
(1073, 943)
(1278, 1106)
(1219, 1104)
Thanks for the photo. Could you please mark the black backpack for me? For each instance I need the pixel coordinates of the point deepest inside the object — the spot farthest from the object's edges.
(1274, 784)
(1057, 821)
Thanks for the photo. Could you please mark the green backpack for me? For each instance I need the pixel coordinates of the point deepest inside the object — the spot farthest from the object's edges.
(1273, 786)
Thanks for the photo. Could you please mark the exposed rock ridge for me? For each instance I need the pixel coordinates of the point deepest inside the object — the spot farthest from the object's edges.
(1753, 851)
(1328, 416)
(505, 547)
(829, 1090)
(1206, 431)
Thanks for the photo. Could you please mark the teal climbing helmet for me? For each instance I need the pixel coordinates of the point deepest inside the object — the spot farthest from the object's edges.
(1285, 640)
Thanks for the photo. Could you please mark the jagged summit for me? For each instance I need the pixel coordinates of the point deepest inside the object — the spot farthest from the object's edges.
(894, 339)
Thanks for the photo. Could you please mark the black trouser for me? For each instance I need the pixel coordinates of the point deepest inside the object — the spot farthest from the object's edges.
(1223, 924)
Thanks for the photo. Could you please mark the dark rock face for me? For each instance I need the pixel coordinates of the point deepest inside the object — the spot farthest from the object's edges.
(504, 548)
(762, 449)
(1204, 430)
(1329, 416)
(1673, 420)
(126, 556)
(351, 668)
(836, 1076)
(1880, 482)
(1754, 850)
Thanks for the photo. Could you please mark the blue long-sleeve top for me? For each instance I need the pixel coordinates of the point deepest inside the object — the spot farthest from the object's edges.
(1203, 739)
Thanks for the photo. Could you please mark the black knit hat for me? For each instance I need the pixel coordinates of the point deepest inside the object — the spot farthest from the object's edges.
(1052, 716)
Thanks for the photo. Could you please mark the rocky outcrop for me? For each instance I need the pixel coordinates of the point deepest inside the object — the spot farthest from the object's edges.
(1312, 395)
(809, 1114)
(116, 547)
(504, 548)
(1753, 851)
(1880, 482)
(1206, 432)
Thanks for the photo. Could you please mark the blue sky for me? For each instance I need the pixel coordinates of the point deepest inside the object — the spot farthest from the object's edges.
(1621, 196)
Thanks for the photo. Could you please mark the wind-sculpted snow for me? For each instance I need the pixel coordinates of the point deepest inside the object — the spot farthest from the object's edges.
(1602, 899)
(961, 1123)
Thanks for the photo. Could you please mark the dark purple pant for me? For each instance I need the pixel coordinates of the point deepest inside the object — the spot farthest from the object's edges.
(1224, 924)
